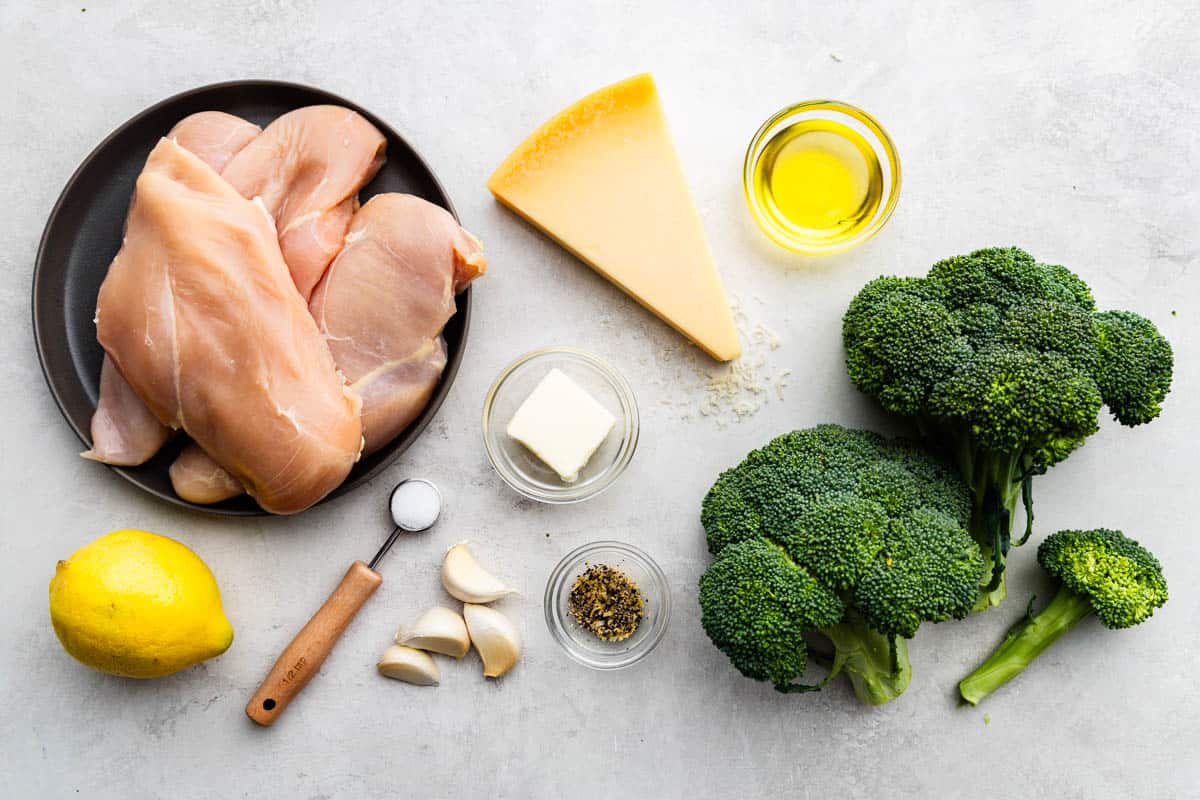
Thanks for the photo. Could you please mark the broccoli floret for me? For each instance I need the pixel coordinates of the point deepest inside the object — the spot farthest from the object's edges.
(1135, 366)
(837, 537)
(1122, 580)
(757, 604)
(1020, 401)
(1100, 572)
(839, 533)
(923, 574)
(1007, 363)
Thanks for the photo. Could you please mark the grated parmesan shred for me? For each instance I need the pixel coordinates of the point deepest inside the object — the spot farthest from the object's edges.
(731, 392)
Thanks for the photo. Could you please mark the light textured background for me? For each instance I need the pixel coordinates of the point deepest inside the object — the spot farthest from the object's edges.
(1067, 128)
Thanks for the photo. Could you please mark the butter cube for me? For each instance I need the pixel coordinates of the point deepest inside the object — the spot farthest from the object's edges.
(561, 424)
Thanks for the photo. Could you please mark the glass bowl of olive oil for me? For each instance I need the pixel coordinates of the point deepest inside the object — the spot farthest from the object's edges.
(821, 177)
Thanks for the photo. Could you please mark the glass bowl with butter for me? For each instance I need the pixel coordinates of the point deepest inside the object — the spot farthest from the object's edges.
(560, 425)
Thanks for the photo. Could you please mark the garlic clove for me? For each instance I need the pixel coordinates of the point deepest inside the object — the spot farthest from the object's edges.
(438, 630)
(408, 664)
(495, 637)
(467, 581)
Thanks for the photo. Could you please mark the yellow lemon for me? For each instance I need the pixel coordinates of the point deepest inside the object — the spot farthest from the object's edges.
(137, 604)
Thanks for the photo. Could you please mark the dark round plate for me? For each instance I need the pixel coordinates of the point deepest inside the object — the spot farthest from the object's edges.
(84, 233)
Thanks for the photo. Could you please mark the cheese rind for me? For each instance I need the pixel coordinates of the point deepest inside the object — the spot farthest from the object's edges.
(602, 178)
(561, 424)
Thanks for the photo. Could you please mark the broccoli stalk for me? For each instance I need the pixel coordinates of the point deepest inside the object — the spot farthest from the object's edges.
(997, 480)
(877, 665)
(1005, 363)
(1102, 573)
(1025, 643)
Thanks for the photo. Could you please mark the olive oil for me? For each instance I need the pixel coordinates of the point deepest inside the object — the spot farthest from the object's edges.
(821, 176)
(819, 181)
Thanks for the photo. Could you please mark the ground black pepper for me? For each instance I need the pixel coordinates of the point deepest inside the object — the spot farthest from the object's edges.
(607, 602)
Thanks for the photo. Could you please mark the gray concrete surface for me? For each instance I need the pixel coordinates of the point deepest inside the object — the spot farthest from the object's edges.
(1068, 128)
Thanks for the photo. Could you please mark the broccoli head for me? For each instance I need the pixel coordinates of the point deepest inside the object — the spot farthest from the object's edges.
(1122, 581)
(840, 533)
(1007, 362)
(1100, 572)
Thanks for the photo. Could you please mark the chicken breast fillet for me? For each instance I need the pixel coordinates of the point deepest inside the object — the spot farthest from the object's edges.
(384, 301)
(198, 479)
(124, 432)
(214, 136)
(199, 313)
(414, 254)
(307, 167)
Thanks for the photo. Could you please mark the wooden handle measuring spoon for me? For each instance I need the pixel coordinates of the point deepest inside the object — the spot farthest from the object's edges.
(416, 505)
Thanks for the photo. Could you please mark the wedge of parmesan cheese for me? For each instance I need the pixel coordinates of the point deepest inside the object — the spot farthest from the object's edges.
(603, 179)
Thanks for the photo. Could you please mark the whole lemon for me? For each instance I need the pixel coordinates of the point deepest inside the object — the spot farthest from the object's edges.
(137, 604)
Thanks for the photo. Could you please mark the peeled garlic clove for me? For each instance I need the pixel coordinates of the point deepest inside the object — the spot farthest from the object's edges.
(495, 637)
(438, 630)
(408, 664)
(466, 580)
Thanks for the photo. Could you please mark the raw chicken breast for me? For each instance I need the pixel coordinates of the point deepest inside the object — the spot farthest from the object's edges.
(198, 479)
(384, 301)
(307, 166)
(214, 136)
(200, 314)
(124, 431)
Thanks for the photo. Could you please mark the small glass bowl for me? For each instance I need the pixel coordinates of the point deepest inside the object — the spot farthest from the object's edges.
(524, 471)
(858, 121)
(582, 645)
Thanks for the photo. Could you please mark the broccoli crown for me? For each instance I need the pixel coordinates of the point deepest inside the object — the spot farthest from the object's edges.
(825, 519)
(1121, 579)
(1011, 349)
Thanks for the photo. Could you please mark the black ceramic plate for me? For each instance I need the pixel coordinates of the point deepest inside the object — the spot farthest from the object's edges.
(84, 233)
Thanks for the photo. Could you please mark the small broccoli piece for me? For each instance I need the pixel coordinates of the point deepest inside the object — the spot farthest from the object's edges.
(1135, 366)
(757, 604)
(1100, 572)
(838, 533)
(1006, 363)
(1122, 580)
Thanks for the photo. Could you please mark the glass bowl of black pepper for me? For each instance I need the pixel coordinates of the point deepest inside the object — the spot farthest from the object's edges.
(608, 604)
